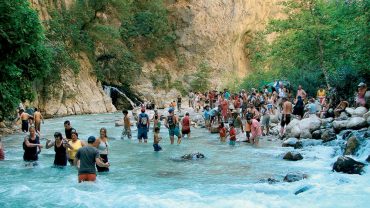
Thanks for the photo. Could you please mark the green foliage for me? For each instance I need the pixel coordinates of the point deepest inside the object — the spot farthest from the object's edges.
(200, 82)
(23, 54)
(321, 42)
(148, 30)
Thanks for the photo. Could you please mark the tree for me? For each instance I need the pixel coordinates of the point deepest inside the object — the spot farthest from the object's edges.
(23, 54)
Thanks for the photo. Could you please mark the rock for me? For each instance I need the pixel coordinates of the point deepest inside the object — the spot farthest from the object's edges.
(193, 156)
(274, 119)
(303, 189)
(359, 112)
(366, 115)
(368, 159)
(292, 177)
(350, 111)
(2, 125)
(118, 123)
(348, 165)
(293, 156)
(339, 125)
(356, 123)
(368, 120)
(305, 133)
(316, 134)
(293, 130)
(312, 123)
(351, 146)
(215, 129)
(328, 135)
(346, 135)
(343, 116)
(292, 142)
(269, 180)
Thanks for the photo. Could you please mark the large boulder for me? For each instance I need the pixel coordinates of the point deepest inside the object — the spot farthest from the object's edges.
(292, 177)
(366, 115)
(274, 118)
(356, 123)
(350, 111)
(316, 134)
(293, 156)
(305, 133)
(312, 123)
(339, 125)
(328, 135)
(359, 112)
(351, 146)
(293, 130)
(292, 142)
(348, 165)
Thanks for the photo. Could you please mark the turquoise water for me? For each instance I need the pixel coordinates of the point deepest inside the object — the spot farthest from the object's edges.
(140, 177)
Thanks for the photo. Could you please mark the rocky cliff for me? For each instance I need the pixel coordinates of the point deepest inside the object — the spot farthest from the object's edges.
(76, 93)
(208, 31)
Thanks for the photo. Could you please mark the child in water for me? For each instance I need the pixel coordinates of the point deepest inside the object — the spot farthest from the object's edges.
(126, 125)
(223, 132)
(232, 134)
(157, 138)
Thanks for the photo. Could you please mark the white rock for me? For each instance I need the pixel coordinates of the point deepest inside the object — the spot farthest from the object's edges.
(366, 115)
(340, 125)
(311, 124)
(350, 110)
(356, 123)
(360, 111)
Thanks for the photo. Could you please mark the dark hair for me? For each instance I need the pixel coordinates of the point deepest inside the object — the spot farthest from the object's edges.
(222, 124)
(58, 135)
(186, 114)
(105, 130)
(21, 110)
(156, 129)
(124, 111)
(35, 109)
(231, 124)
(67, 122)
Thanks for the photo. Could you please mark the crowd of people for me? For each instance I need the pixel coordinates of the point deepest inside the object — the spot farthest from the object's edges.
(231, 115)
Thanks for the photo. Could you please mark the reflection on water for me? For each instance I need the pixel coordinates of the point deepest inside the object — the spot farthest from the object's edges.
(140, 177)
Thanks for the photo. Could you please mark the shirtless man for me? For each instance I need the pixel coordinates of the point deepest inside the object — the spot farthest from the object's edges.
(38, 118)
(286, 115)
(301, 92)
(24, 117)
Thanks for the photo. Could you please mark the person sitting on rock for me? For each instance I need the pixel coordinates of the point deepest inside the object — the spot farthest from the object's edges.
(362, 97)
(341, 107)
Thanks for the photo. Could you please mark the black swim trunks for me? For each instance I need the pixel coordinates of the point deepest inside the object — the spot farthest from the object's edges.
(285, 121)
(25, 125)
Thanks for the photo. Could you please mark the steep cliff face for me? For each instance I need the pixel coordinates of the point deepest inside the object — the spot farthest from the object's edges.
(75, 93)
(211, 31)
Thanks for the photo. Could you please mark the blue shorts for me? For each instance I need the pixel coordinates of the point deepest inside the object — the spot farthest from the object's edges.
(232, 142)
(174, 131)
(142, 133)
(157, 147)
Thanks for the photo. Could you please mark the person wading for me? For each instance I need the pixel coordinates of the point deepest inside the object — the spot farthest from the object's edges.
(86, 158)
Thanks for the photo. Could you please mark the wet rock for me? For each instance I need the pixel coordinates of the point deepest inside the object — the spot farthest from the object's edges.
(348, 165)
(351, 146)
(293, 156)
(343, 116)
(269, 180)
(316, 134)
(303, 189)
(350, 111)
(368, 121)
(366, 115)
(214, 129)
(292, 142)
(346, 135)
(191, 156)
(293, 130)
(339, 125)
(292, 177)
(359, 112)
(328, 135)
(356, 123)
(368, 159)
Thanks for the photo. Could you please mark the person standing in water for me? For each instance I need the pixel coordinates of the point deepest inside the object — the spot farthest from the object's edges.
(76, 144)
(185, 123)
(143, 126)
(68, 130)
(223, 132)
(157, 138)
(102, 145)
(179, 103)
(232, 133)
(156, 120)
(86, 158)
(286, 115)
(172, 123)
(60, 145)
(32, 147)
(126, 125)
(2, 154)
(25, 119)
(38, 119)
(255, 130)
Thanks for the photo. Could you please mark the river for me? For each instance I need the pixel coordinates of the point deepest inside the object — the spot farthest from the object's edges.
(139, 177)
